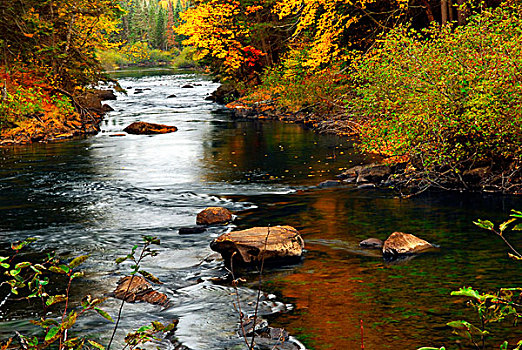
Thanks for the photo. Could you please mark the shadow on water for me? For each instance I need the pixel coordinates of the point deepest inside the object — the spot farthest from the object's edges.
(99, 195)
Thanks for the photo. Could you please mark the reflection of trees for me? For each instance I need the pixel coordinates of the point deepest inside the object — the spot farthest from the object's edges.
(336, 286)
(33, 182)
(259, 151)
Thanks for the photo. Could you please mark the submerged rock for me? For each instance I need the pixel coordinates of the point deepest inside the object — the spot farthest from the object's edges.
(136, 288)
(251, 246)
(266, 337)
(400, 243)
(191, 230)
(144, 128)
(329, 183)
(371, 243)
(214, 215)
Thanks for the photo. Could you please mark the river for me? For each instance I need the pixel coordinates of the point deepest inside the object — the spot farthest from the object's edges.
(99, 195)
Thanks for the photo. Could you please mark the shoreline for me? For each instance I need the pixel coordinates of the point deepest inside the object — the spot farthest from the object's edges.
(402, 177)
(42, 128)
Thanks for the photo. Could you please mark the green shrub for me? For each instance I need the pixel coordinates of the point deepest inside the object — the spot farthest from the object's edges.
(112, 59)
(185, 59)
(445, 97)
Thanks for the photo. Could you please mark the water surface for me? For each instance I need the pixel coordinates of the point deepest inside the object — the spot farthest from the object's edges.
(101, 194)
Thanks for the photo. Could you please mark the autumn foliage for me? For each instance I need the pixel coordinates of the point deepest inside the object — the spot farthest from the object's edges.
(446, 98)
(48, 53)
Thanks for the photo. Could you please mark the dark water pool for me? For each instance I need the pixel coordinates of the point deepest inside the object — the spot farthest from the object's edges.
(101, 194)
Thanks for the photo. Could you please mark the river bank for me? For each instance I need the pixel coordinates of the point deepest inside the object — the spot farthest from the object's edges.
(50, 125)
(98, 195)
(406, 176)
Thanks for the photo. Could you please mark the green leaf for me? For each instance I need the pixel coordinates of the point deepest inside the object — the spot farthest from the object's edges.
(170, 326)
(96, 345)
(121, 259)
(5, 266)
(22, 265)
(467, 327)
(70, 320)
(104, 314)
(150, 277)
(504, 225)
(517, 227)
(54, 299)
(64, 268)
(516, 213)
(56, 269)
(52, 334)
(17, 245)
(485, 224)
(78, 261)
(3, 258)
(467, 292)
(144, 329)
(77, 274)
(14, 272)
(158, 326)
(504, 345)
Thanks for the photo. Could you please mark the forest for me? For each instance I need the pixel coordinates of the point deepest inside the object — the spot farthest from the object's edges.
(424, 97)
(430, 86)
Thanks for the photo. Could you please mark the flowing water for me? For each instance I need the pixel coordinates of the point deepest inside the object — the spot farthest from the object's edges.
(99, 195)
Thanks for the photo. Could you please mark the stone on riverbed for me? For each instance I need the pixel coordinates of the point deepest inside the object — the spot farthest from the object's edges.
(251, 246)
(214, 215)
(144, 128)
(371, 243)
(400, 243)
(367, 173)
(136, 288)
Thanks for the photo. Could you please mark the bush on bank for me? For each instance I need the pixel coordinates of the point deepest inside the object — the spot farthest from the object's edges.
(445, 98)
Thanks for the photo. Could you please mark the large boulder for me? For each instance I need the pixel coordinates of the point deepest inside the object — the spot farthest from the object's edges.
(400, 243)
(136, 288)
(214, 215)
(251, 246)
(144, 128)
(105, 95)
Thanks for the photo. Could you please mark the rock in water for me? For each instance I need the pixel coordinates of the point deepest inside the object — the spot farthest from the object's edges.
(400, 243)
(214, 215)
(144, 128)
(136, 288)
(372, 243)
(279, 243)
(329, 183)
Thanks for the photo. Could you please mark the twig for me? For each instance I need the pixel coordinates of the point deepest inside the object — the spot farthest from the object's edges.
(259, 289)
(238, 309)
(125, 296)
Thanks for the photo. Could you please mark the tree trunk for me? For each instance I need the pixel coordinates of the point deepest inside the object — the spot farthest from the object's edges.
(429, 11)
(461, 13)
(450, 11)
(444, 12)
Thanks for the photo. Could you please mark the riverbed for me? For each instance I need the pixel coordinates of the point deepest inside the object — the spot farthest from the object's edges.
(99, 195)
